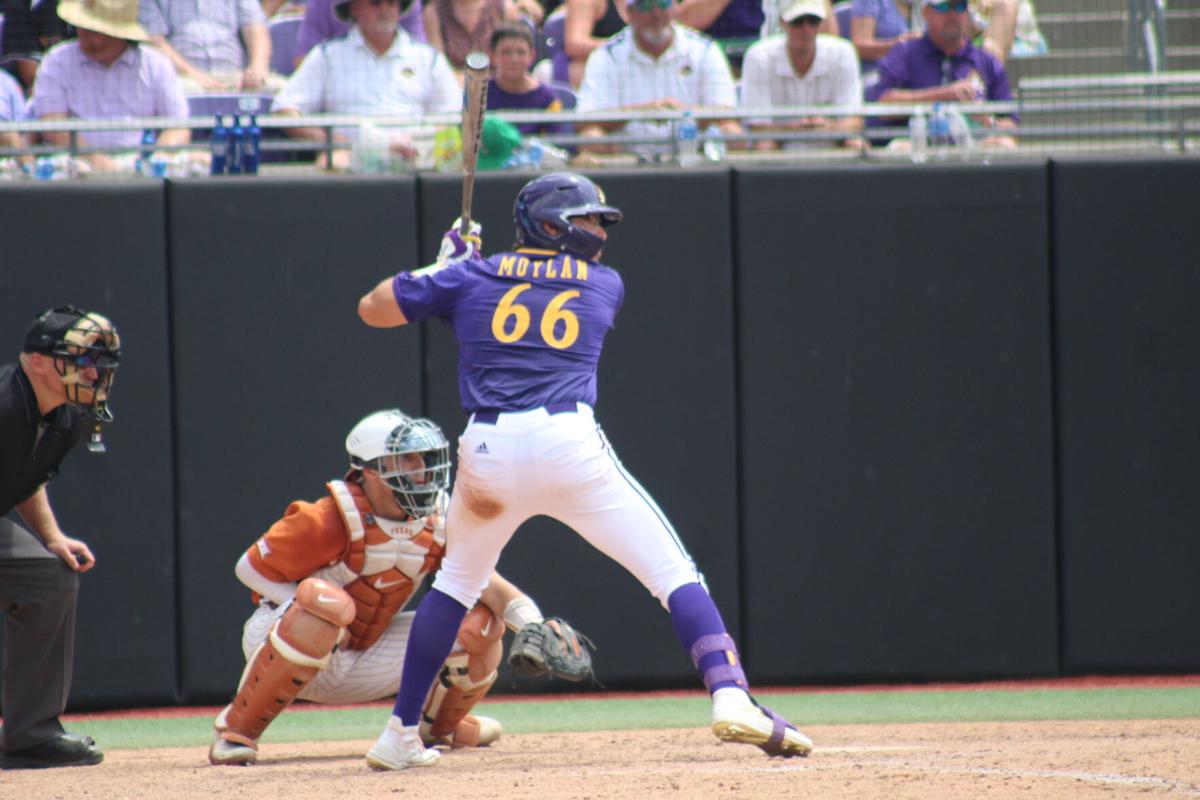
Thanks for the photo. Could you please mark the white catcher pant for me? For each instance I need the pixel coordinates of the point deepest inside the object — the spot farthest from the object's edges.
(353, 676)
(560, 465)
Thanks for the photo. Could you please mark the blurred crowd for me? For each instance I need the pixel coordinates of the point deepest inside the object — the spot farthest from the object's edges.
(121, 59)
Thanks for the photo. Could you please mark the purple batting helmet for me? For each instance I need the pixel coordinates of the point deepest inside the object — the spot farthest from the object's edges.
(554, 199)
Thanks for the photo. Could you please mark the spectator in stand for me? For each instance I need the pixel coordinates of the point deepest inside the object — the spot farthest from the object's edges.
(943, 66)
(30, 29)
(108, 73)
(376, 68)
(1005, 28)
(655, 64)
(771, 8)
(876, 26)
(458, 27)
(803, 68)
(588, 23)
(321, 24)
(512, 86)
(205, 43)
(12, 109)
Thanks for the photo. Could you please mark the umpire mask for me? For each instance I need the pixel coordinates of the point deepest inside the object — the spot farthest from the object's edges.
(86, 350)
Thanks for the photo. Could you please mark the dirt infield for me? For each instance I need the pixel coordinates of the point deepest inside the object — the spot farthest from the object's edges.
(1032, 761)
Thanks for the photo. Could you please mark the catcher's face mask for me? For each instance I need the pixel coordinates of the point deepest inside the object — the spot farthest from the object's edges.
(414, 464)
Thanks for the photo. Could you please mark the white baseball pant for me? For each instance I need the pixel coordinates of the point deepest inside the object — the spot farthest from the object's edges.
(561, 465)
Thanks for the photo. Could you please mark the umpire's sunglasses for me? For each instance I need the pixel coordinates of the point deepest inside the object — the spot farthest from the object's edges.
(947, 7)
(646, 6)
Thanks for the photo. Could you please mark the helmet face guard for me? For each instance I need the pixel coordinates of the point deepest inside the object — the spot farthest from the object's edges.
(88, 344)
(554, 199)
(411, 457)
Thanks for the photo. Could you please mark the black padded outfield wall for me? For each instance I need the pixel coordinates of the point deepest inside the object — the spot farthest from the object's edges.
(898, 517)
(101, 246)
(272, 368)
(666, 401)
(1127, 250)
(847, 387)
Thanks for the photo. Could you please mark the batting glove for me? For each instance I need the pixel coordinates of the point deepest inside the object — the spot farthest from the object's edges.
(456, 247)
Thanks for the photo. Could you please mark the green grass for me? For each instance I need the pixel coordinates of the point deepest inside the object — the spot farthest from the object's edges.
(843, 708)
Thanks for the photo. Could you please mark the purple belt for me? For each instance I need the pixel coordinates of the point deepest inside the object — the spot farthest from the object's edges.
(490, 416)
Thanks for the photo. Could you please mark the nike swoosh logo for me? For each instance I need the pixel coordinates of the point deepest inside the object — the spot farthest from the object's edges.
(324, 598)
(383, 585)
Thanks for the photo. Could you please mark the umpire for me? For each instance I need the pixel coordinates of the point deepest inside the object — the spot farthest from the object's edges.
(48, 401)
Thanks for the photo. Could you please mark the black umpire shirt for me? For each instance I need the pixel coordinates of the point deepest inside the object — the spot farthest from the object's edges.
(31, 446)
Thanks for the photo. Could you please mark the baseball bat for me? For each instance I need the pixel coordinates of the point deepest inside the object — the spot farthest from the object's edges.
(475, 87)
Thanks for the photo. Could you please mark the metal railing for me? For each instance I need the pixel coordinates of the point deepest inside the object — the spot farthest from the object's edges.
(1172, 124)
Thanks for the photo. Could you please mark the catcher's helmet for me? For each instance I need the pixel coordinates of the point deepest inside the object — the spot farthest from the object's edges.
(410, 454)
(555, 198)
(79, 340)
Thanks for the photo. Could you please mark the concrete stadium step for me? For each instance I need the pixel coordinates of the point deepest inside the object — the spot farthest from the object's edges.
(1085, 30)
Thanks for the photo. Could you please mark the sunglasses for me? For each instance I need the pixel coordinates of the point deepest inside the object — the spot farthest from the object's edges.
(100, 362)
(947, 7)
(388, 2)
(645, 6)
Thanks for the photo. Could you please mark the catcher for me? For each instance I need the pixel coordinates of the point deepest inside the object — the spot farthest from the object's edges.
(331, 580)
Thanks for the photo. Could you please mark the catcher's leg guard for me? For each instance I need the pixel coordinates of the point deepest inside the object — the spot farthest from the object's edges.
(465, 678)
(297, 648)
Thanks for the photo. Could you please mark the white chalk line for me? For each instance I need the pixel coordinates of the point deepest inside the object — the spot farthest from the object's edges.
(1178, 787)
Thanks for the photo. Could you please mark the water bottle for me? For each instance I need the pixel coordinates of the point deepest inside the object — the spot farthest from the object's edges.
(146, 152)
(960, 133)
(918, 137)
(535, 151)
(234, 142)
(687, 140)
(939, 131)
(43, 168)
(714, 143)
(250, 148)
(217, 144)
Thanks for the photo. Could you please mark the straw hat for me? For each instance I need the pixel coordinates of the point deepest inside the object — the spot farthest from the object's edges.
(118, 18)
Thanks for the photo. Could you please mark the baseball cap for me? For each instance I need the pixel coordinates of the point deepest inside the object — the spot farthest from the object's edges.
(803, 8)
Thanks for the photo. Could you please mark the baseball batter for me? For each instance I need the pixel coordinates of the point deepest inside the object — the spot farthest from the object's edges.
(332, 578)
(530, 326)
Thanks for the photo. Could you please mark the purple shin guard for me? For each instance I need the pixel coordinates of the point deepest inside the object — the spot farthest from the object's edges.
(701, 631)
(429, 642)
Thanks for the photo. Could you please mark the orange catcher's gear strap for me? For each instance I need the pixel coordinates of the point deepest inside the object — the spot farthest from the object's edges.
(297, 648)
(371, 569)
(464, 680)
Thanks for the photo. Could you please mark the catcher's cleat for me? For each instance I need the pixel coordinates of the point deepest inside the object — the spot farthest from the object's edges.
(233, 754)
(471, 731)
(399, 747)
(737, 718)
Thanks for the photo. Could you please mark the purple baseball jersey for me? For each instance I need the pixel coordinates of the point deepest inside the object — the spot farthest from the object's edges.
(530, 324)
(919, 64)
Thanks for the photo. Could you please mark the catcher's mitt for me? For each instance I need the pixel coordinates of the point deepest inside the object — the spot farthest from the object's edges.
(551, 648)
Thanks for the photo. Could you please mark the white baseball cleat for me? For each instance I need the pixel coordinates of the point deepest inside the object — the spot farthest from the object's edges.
(223, 752)
(471, 731)
(737, 718)
(400, 747)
